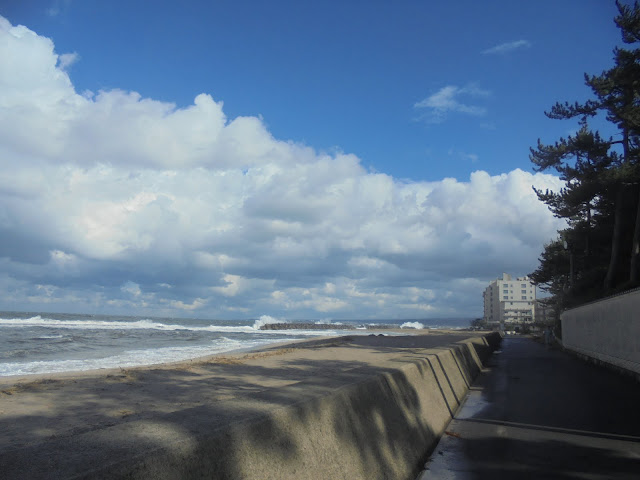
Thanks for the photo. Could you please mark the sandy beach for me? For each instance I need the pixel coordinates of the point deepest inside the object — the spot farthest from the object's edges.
(74, 424)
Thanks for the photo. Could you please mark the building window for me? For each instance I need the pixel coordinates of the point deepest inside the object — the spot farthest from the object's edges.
(524, 292)
(524, 297)
(506, 297)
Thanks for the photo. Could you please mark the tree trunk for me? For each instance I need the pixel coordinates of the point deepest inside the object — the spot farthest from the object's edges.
(615, 241)
(635, 246)
(587, 242)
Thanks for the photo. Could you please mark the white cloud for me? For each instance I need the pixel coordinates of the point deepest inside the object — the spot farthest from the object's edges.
(194, 305)
(57, 7)
(66, 60)
(115, 202)
(467, 157)
(507, 47)
(448, 99)
(131, 288)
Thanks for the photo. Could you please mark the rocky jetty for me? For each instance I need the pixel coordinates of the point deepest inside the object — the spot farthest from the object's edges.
(320, 326)
(305, 326)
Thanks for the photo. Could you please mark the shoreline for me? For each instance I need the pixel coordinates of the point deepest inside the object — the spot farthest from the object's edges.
(385, 330)
(231, 356)
(302, 407)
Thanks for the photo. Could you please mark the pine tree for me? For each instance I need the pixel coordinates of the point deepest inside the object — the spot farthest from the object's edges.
(601, 197)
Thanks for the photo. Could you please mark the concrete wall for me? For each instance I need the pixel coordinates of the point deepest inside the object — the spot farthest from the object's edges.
(606, 331)
(380, 424)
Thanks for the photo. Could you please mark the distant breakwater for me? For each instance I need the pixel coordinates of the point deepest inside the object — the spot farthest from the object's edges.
(322, 326)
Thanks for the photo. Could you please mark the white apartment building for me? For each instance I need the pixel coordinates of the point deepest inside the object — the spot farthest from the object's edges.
(509, 301)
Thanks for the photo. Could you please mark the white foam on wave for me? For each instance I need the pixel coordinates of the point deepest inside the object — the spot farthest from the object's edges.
(148, 324)
(265, 320)
(38, 321)
(415, 325)
(145, 324)
(132, 358)
(327, 322)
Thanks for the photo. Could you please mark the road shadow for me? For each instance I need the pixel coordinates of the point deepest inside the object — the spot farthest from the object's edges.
(500, 458)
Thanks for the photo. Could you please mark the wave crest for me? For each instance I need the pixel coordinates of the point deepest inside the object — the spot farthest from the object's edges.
(265, 320)
(416, 325)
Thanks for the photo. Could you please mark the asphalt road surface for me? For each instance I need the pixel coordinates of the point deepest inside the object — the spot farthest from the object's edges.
(540, 413)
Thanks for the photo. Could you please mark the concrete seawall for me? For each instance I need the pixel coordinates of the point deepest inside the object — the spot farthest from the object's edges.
(376, 419)
(606, 331)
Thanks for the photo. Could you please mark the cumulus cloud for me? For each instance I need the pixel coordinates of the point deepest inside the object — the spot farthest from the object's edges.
(66, 60)
(118, 203)
(507, 47)
(131, 288)
(450, 99)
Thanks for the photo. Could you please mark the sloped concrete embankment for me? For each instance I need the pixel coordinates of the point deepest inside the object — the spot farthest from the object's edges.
(374, 423)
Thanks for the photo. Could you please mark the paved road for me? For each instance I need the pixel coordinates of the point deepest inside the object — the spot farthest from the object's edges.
(538, 413)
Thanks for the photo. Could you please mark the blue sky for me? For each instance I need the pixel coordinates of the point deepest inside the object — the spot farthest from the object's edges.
(334, 125)
(347, 75)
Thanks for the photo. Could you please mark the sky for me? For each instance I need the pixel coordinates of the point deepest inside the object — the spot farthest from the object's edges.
(304, 160)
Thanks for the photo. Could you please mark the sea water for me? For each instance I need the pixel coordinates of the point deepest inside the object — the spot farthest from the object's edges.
(36, 343)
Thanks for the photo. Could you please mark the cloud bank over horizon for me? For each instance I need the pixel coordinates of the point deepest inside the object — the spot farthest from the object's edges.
(112, 202)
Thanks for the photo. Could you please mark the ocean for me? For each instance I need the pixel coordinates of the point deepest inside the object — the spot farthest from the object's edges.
(39, 343)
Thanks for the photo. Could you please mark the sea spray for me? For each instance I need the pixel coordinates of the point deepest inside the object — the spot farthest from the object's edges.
(415, 325)
(266, 320)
